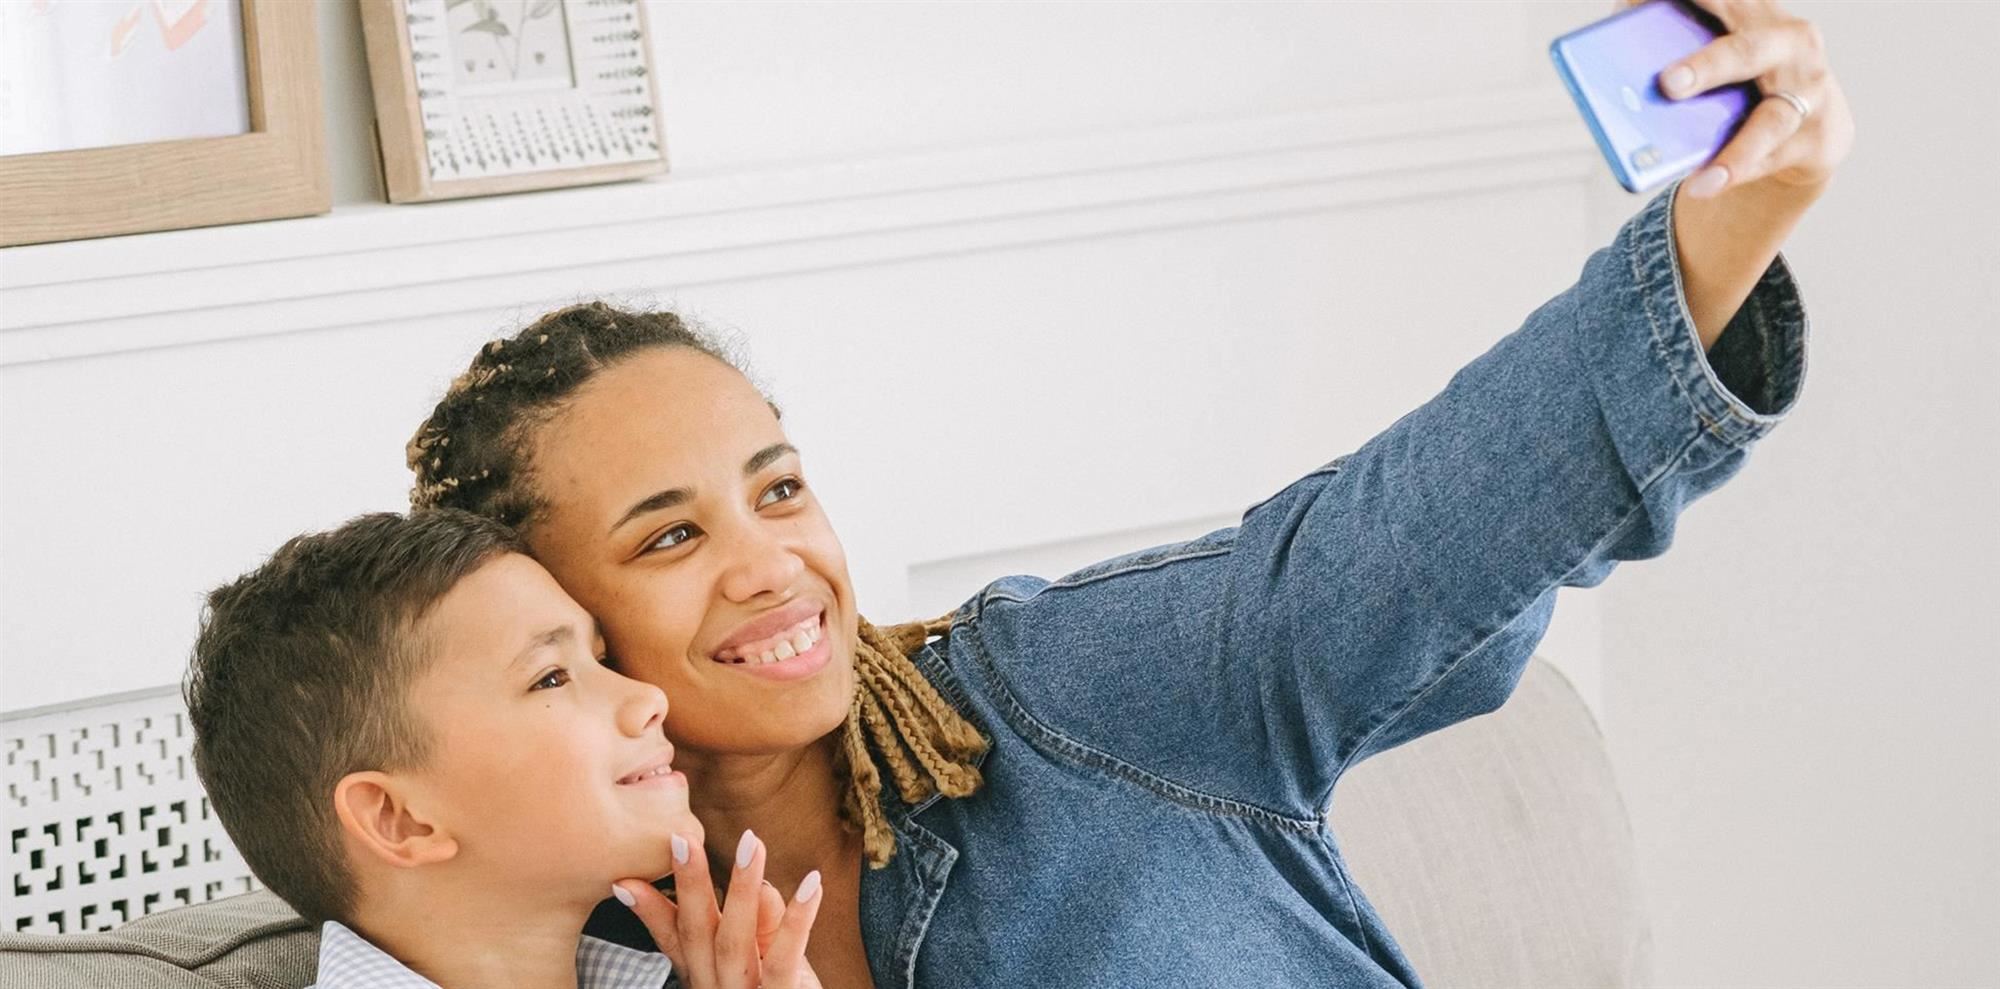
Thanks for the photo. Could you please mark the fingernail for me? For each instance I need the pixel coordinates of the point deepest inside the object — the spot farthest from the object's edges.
(1707, 182)
(1677, 80)
(619, 893)
(746, 848)
(680, 850)
(808, 887)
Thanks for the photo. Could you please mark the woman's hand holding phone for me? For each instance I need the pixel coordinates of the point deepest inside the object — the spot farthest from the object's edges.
(754, 939)
(1779, 53)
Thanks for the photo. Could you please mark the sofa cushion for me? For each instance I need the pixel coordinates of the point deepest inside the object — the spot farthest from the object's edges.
(251, 941)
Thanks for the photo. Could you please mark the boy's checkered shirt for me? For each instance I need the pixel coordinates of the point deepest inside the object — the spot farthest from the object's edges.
(348, 961)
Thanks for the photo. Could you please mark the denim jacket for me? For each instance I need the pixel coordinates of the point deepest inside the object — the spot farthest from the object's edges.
(1168, 727)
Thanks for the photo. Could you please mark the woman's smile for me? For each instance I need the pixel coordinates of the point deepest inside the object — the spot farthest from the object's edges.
(779, 648)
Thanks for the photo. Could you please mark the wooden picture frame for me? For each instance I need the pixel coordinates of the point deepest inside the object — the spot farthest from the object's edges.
(278, 169)
(444, 133)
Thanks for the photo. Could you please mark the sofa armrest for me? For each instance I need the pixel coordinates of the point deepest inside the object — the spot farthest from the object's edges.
(1499, 851)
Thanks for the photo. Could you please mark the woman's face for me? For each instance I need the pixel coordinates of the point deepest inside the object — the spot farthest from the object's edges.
(680, 517)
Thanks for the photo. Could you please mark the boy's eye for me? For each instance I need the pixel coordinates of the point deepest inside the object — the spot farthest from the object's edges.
(784, 490)
(553, 678)
(674, 537)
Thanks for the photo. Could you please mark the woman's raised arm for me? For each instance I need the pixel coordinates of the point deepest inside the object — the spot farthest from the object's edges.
(1735, 213)
(1404, 587)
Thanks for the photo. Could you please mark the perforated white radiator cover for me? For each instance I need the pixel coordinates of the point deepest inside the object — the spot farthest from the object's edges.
(105, 818)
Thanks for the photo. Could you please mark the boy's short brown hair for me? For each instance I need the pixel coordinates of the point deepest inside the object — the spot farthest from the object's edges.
(300, 676)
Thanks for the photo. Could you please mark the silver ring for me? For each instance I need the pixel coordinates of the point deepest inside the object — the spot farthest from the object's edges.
(1798, 102)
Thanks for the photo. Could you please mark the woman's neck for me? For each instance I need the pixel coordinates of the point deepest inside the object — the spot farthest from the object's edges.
(791, 799)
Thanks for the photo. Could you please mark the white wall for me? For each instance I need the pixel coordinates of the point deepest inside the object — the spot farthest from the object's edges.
(1804, 697)
(1212, 235)
(1004, 219)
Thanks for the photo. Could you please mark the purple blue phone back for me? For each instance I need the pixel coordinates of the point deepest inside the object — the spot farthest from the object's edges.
(1612, 70)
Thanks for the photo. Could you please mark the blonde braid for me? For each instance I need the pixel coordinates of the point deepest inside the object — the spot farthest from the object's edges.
(892, 705)
(424, 453)
(927, 745)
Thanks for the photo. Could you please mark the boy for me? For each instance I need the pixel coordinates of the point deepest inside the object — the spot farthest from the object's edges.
(410, 732)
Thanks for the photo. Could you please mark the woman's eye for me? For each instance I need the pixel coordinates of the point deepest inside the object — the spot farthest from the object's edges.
(674, 537)
(784, 490)
(552, 679)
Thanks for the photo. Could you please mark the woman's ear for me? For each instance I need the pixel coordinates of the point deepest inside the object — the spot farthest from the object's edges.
(376, 812)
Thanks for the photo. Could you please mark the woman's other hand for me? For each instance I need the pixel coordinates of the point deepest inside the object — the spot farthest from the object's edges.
(754, 939)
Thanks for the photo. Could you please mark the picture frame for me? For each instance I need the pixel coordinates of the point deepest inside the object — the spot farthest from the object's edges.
(480, 97)
(277, 168)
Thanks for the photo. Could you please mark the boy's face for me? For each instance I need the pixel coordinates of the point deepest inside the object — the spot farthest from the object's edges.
(550, 770)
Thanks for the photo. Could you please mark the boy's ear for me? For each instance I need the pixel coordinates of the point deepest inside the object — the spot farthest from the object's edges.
(376, 812)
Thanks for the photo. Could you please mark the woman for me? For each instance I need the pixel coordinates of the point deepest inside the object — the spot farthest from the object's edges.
(1078, 768)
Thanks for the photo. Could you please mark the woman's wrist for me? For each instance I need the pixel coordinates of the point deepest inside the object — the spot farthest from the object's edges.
(1725, 243)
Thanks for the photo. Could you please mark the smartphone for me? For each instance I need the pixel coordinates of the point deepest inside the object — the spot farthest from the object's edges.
(1612, 69)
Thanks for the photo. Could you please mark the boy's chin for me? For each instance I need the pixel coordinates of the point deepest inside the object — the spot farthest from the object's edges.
(651, 857)
(645, 864)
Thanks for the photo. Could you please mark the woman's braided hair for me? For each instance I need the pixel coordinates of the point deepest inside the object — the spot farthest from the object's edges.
(473, 453)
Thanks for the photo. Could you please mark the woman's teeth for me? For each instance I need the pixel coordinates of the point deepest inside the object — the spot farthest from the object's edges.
(785, 645)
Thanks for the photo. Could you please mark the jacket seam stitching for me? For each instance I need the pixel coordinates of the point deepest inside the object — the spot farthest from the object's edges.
(1058, 745)
(1508, 615)
(1347, 886)
(1732, 427)
(1068, 583)
(916, 928)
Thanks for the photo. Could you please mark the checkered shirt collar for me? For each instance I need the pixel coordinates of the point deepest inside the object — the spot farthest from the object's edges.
(348, 961)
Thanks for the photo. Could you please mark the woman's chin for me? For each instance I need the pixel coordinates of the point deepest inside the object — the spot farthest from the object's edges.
(754, 724)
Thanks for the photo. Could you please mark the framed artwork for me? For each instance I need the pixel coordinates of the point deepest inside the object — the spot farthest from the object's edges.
(124, 116)
(474, 97)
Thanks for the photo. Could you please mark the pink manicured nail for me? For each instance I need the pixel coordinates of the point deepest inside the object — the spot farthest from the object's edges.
(619, 893)
(680, 850)
(1707, 182)
(808, 887)
(746, 848)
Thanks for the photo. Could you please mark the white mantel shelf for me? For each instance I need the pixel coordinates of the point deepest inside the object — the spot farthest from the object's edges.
(387, 263)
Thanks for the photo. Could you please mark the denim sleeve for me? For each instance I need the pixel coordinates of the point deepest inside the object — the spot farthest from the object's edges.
(1404, 587)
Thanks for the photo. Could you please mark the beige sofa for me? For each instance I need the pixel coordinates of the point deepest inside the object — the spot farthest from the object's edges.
(1498, 851)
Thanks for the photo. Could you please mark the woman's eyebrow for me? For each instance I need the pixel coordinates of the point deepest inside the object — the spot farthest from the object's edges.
(762, 458)
(674, 496)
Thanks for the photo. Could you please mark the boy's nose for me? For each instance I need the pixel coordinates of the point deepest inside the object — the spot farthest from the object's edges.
(644, 710)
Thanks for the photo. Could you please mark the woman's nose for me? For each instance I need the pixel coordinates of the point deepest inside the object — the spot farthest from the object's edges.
(760, 564)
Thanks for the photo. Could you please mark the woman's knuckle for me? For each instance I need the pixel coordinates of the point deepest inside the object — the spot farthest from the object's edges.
(1811, 41)
(1756, 47)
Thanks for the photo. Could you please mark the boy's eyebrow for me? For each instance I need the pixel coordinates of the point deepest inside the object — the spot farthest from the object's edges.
(674, 496)
(553, 637)
(557, 636)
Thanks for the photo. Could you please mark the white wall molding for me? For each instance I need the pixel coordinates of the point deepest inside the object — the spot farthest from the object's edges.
(386, 263)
